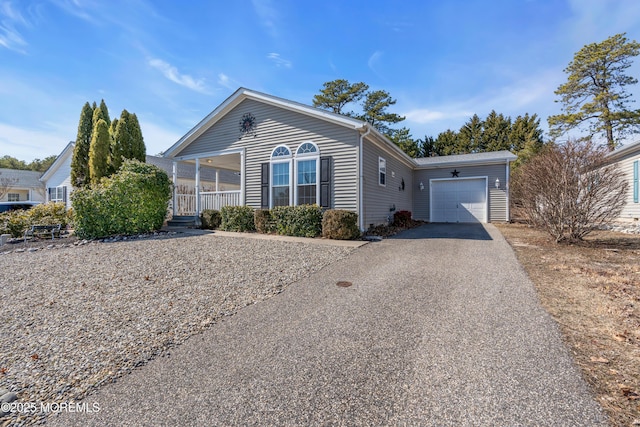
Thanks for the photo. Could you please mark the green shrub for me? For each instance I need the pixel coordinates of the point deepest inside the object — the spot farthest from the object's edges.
(14, 222)
(49, 214)
(402, 219)
(237, 218)
(132, 201)
(210, 219)
(301, 221)
(340, 225)
(264, 221)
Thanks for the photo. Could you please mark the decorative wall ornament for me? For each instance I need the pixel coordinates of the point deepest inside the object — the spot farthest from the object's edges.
(247, 124)
(455, 173)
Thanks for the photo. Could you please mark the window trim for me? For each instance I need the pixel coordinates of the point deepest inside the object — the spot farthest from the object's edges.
(278, 160)
(15, 196)
(382, 171)
(305, 157)
(59, 191)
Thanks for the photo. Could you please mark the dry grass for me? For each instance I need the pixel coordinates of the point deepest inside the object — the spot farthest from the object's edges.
(592, 289)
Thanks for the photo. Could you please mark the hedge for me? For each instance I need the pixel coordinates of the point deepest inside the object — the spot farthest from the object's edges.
(132, 201)
(210, 219)
(301, 221)
(237, 218)
(340, 225)
(17, 221)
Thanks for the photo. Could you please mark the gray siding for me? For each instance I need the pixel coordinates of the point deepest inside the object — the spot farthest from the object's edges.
(631, 209)
(275, 126)
(378, 200)
(497, 197)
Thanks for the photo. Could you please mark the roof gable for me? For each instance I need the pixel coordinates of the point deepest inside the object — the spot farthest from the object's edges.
(66, 152)
(242, 94)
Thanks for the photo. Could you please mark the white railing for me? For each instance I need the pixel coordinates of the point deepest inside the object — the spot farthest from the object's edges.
(208, 200)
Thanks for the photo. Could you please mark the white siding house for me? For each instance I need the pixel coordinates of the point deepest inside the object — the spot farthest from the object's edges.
(628, 159)
(20, 186)
(289, 153)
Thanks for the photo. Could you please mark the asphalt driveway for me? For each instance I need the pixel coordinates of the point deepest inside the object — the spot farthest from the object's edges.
(440, 327)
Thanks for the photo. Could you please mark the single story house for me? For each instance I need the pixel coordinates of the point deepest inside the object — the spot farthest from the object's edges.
(288, 153)
(20, 186)
(57, 179)
(628, 157)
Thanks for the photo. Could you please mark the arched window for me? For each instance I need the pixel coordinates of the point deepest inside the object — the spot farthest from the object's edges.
(307, 166)
(280, 176)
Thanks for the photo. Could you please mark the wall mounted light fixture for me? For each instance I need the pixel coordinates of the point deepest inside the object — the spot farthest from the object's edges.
(498, 183)
(421, 186)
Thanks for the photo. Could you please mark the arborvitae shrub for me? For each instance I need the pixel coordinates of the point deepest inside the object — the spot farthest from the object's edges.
(340, 225)
(237, 218)
(210, 219)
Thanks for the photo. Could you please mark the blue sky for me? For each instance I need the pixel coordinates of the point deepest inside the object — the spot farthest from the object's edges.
(172, 62)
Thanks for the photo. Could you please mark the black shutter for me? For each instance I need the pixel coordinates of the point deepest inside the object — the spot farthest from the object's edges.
(264, 186)
(64, 194)
(325, 182)
(49, 190)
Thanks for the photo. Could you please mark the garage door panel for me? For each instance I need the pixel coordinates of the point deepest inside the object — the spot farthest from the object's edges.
(459, 200)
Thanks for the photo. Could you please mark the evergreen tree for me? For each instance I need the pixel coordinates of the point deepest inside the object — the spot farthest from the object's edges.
(99, 151)
(375, 111)
(138, 149)
(447, 143)
(526, 138)
(403, 139)
(496, 132)
(428, 147)
(80, 159)
(336, 94)
(121, 141)
(595, 92)
(471, 136)
(105, 112)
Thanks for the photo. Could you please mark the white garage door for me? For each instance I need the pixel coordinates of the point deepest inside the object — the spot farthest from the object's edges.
(459, 200)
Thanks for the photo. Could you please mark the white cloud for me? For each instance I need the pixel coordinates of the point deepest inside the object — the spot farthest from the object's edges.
(268, 15)
(172, 73)
(28, 144)
(157, 138)
(224, 80)
(10, 37)
(279, 61)
(374, 60)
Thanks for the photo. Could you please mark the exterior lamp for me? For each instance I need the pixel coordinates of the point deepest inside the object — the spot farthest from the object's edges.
(497, 183)
(421, 186)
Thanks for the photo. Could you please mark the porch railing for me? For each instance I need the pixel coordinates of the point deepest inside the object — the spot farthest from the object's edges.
(208, 200)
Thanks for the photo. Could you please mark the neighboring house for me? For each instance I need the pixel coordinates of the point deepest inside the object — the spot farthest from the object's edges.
(628, 158)
(289, 153)
(57, 179)
(20, 186)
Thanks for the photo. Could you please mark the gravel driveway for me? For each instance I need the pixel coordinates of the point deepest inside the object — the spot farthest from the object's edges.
(76, 317)
(441, 327)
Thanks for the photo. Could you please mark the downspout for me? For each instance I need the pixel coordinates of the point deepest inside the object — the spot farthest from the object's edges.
(507, 192)
(361, 180)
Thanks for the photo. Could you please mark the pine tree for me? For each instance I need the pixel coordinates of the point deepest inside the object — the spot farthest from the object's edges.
(497, 128)
(375, 111)
(336, 94)
(471, 136)
(105, 112)
(80, 160)
(99, 151)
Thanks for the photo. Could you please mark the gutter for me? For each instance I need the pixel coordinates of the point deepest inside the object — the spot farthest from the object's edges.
(361, 179)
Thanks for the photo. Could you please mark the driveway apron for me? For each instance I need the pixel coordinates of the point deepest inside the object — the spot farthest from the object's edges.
(440, 327)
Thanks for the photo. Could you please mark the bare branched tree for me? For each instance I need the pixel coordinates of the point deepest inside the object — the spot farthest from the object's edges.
(6, 184)
(570, 190)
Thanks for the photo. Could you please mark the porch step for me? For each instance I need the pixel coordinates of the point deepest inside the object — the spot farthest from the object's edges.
(182, 221)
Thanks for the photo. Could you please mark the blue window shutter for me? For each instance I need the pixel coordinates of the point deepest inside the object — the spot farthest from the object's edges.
(635, 182)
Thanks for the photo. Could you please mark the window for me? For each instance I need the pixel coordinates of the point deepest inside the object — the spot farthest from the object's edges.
(307, 158)
(13, 197)
(281, 176)
(57, 194)
(382, 171)
(635, 182)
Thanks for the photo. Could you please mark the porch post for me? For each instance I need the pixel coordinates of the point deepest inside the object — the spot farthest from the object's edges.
(217, 179)
(197, 188)
(243, 179)
(174, 178)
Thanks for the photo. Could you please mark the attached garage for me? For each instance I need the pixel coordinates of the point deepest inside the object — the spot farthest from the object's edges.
(459, 199)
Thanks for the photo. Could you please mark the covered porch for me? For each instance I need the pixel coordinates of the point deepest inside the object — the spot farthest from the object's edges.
(207, 181)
